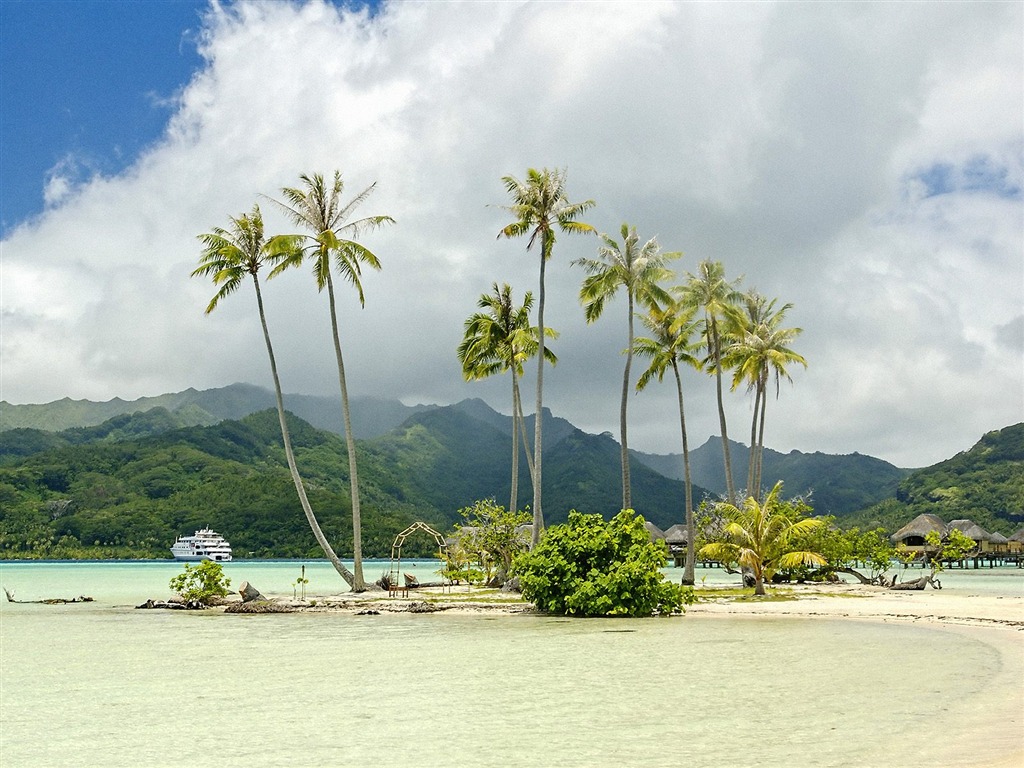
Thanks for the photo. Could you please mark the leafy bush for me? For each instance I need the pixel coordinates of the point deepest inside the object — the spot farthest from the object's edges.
(201, 583)
(587, 567)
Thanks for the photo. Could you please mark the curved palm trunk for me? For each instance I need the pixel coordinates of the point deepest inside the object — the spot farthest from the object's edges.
(627, 495)
(289, 454)
(717, 351)
(691, 543)
(538, 515)
(359, 585)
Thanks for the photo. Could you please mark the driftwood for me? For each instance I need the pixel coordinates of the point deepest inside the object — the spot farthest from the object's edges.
(249, 593)
(918, 584)
(50, 600)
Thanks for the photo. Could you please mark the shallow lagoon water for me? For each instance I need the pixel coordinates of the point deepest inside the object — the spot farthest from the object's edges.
(102, 684)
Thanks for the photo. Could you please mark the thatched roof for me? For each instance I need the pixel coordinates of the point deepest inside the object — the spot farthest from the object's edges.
(677, 534)
(1018, 536)
(971, 530)
(921, 526)
(997, 538)
(655, 531)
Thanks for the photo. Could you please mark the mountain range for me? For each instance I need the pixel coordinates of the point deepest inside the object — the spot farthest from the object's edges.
(125, 483)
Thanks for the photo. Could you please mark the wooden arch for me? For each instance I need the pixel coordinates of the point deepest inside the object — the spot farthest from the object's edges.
(396, 549)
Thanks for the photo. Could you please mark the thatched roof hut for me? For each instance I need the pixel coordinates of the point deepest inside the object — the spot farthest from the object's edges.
(1015, 543)
(912, 534)
(971, 530)
(676, 535)
(656, 533)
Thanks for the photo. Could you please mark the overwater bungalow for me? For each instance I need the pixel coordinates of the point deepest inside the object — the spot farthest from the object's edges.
(1015, 543)
(912, 535)
(676, 539)
(973, 531)
(656, 533)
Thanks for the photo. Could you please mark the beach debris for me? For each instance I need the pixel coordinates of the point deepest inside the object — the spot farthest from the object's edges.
(49, 600)
(249, 593)
(419, 606)
(918, 584)
(173, 605)
(368, 612)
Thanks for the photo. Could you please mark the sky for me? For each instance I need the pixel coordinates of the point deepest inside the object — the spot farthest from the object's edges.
(864, 162)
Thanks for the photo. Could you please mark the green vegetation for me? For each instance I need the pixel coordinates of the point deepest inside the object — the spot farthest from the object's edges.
(764, 537)
(489, 538)
(499, 340)
(589, 567)
(203, 583)
(984, 484)
(541, 208)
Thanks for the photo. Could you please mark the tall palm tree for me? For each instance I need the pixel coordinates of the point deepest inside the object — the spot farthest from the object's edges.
(762, 537)
(673, 329)
(317, 207)
(759, 347)
(639, 269)
(709, 291)
(541, 207)
(228, 256)
(502, 339)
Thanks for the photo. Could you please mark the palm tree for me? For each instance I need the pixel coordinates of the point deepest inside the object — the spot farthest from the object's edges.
(762, 537)
(673, 329)
(709, 291)
(317, 207)
(759, 348)
(541, 206)
(639, 269)
(228, 256)
(501, 339)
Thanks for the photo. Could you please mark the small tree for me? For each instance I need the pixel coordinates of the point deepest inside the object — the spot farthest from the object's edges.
(493, 536)
(202, 583)
(589, 567)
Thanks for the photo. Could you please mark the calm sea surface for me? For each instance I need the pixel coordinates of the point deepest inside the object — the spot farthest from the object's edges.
(101, 684)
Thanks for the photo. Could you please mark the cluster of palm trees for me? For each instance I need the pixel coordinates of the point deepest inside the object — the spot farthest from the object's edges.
(705, 323)
(329, 245)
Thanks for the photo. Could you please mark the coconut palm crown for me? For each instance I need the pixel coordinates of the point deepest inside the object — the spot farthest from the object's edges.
(640, 270)
(541, 208)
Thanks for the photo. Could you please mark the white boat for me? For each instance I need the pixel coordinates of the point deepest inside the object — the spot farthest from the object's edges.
(204, 544)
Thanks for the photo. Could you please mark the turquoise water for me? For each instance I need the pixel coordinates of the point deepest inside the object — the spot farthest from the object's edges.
(101, 684)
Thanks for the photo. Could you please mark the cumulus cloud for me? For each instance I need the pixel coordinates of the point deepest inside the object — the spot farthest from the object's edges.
(861, 161)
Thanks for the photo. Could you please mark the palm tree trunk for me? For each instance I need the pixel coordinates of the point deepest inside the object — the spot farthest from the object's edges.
(730, 488)
(290, 455)
(691, 544)
(752, 454)
(522, 429)
(538, 515)
(359, 584)
(515, 445)
(627, 496)
(760, 437)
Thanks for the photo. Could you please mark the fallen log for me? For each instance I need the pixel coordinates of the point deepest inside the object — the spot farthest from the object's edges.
(918, 584)
(49, 600)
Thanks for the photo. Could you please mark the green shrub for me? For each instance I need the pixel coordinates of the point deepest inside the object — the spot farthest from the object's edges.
(588, 567)
(201, 583)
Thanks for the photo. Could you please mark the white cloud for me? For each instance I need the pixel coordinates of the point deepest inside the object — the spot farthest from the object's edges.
(792, 142)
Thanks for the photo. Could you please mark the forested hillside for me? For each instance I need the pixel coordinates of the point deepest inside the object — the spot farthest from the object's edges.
(984, 484)
(836, 485)
(127, 487)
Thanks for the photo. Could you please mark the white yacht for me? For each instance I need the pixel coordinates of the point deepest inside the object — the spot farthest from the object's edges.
(204, 544)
